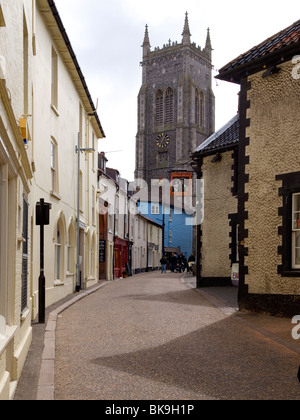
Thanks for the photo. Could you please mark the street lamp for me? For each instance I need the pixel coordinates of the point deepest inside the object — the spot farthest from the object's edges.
(79, 150)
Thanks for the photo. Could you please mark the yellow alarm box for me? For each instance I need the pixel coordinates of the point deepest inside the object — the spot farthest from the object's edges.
(23, 128)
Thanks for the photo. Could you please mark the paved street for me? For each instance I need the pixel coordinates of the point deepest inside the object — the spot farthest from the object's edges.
(153, 337)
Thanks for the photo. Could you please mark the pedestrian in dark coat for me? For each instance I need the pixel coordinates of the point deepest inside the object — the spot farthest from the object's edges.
(164, 263)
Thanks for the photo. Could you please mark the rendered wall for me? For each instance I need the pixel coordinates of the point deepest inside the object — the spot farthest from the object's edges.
(219, 203)
(273, 150)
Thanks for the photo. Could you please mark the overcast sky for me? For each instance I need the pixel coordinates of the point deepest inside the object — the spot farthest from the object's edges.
(107, 35)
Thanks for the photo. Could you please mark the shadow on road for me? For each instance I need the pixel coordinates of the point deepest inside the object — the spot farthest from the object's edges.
(226, 360)
(180, 297)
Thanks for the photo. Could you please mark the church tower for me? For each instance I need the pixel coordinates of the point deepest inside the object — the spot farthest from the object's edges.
(176, 106)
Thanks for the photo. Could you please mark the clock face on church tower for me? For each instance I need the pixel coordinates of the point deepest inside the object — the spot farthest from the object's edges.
(163, 141)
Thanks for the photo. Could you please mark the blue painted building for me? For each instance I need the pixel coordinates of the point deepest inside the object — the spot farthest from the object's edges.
(178, 226)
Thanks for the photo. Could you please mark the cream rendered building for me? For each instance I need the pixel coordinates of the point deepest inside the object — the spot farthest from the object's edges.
(15, 186)
(65, 113)
(106, 203)
(155, 239)
(44, 103)
(217, 164)
(269, 177)
(139, 237)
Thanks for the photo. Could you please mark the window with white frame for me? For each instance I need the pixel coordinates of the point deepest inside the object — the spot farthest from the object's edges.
(289, 229)
(54, 79)
(25, 251)
(296, 231)
(81, 191)
(155, 209)
(58, 253)
(110, 219)
(25, 66)
(92, 256)
(93, 206)
(54, 172)
(71, 249)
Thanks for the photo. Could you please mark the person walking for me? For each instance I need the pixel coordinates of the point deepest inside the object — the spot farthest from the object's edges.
(173, 262)
(164, 263)
(191, 262)
(182, 263)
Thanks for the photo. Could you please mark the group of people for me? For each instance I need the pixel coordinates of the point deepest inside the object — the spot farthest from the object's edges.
(177, 264)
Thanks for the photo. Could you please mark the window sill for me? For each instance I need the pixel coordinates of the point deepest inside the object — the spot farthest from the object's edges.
(9, 335)
(291, 273)
(55, 110)
(25, 314)
(58, 283)
(55, 195)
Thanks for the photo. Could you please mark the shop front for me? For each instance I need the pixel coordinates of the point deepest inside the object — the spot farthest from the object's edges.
(120, 257)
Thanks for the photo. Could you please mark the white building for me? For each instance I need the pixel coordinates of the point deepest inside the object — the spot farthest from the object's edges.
(44, 104)
(65, 113)
(15, 185)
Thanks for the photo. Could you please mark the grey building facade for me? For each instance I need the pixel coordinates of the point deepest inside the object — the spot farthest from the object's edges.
(176, 106)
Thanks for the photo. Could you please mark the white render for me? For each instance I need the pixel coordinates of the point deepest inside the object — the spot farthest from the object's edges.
(31, 41)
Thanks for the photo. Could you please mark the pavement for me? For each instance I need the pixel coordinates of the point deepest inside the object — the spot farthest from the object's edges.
(40, 379)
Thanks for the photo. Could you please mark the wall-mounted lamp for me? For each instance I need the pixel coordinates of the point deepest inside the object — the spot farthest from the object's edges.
(272, 70)
(217, 158)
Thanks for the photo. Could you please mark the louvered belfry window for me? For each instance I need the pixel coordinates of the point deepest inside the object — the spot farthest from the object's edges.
(201, 109)
(25, 256)
(169, 106)
(197, 108)
(159, 103)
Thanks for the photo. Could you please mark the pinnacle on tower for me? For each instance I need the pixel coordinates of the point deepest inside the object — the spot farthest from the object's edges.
(146, 44)
(186, 35)
(208, 45)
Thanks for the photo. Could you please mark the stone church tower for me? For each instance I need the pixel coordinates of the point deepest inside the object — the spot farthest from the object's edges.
(176, 106)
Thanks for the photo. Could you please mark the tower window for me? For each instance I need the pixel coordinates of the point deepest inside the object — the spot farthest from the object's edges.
(169, 106)
(199, 109)
(202, 109)
(159, 103)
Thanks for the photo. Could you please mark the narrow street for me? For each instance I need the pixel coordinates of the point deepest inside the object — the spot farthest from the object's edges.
(151, 337)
